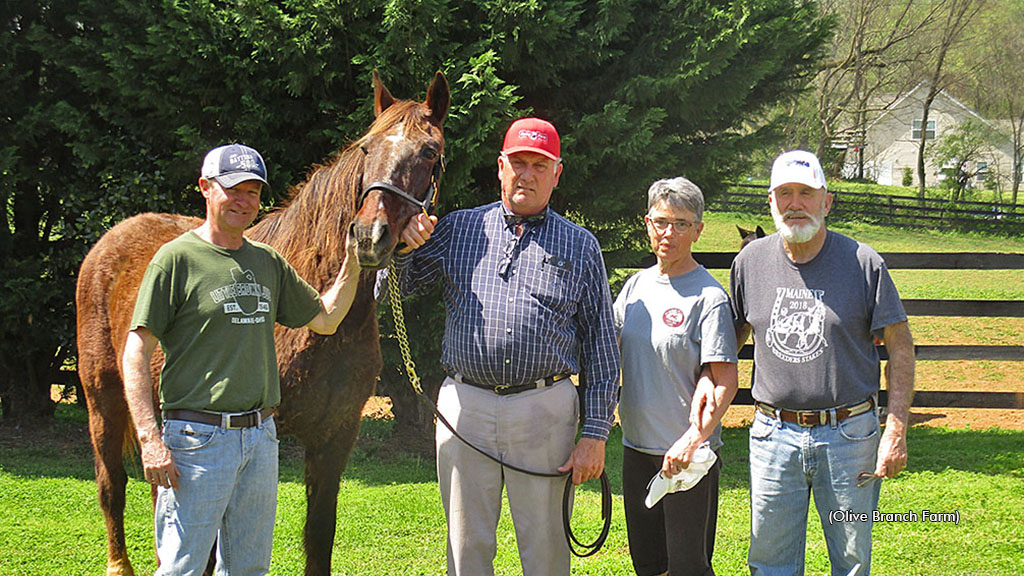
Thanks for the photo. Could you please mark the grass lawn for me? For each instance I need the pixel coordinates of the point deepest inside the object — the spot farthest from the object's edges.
(390, 519)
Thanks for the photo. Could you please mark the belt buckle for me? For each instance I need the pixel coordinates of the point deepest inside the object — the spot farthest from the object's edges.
(500, 388)
(810, 418)
(245, 420)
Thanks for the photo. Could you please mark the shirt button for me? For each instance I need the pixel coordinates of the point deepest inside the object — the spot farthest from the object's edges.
(508, 361)
(509, 330)
(511, 299)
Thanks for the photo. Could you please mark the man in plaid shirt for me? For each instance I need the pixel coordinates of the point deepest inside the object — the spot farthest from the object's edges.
(527, 304)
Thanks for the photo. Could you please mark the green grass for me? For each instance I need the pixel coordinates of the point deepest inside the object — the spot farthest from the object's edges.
(390, 519)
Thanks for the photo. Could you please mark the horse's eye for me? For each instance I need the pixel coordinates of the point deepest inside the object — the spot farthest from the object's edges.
(429, 153)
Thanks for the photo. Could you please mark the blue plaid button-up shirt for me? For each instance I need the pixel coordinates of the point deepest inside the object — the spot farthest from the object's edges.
(521, 308)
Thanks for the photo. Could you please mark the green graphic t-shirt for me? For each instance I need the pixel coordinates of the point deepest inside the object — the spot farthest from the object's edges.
(213, 311)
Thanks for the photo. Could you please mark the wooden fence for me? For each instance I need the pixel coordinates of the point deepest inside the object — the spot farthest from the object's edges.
(915, 307)
(904, 211)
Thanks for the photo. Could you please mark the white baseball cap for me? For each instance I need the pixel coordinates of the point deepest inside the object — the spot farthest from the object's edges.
(797, 166)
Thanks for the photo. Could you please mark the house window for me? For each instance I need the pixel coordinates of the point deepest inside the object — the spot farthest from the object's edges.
(981, 171)
(915, 130)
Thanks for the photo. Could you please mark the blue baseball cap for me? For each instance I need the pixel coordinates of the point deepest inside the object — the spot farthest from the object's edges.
(233, 164)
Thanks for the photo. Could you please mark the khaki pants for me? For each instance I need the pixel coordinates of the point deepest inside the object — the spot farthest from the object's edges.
(535, 430)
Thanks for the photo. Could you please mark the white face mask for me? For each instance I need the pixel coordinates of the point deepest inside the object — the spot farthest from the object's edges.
(802, 232)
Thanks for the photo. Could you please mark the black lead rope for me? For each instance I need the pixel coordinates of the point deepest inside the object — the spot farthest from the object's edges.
(570, 538)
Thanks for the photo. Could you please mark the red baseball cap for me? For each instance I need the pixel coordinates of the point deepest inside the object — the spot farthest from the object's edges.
(532, 135)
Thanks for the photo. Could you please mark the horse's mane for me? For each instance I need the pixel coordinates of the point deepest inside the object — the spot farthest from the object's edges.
(311, 227)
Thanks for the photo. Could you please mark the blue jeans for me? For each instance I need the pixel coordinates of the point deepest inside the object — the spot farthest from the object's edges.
(788, 463)
(227, 493)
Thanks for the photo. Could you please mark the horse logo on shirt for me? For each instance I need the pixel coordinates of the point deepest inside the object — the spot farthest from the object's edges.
(796, 332)
(244, 296)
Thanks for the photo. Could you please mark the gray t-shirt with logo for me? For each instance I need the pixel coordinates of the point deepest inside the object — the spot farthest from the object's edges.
(668, 327)
(813, 322)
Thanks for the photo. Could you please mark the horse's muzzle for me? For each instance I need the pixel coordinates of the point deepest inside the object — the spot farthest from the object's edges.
(374, 244)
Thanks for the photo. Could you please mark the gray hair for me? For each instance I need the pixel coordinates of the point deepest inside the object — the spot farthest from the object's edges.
(678, 193)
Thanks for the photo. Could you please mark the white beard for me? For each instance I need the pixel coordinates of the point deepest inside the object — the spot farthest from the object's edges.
(800, 233)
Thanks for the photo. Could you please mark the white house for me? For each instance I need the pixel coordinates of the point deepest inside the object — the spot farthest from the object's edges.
(891, 140)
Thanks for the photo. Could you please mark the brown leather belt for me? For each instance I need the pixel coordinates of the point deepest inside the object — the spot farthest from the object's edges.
(225, 420)
(505, 389)
(809, 418)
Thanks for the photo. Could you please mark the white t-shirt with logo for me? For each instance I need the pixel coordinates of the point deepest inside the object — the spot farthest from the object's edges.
(814, 323)
(668, 327)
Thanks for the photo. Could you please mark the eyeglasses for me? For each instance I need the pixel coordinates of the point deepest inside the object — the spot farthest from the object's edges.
(661, 225)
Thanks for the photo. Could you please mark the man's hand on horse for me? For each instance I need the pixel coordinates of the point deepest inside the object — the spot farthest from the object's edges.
(418, 231)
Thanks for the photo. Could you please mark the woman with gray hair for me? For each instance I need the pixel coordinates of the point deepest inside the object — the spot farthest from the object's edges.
(672, 319)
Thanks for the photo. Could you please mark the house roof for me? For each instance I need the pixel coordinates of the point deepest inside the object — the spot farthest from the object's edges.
(900, 100)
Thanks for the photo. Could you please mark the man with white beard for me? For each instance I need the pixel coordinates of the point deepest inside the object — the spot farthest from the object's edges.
(814, 299)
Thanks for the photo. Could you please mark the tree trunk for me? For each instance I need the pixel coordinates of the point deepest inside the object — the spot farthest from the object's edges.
(414, 420)
(27, 391)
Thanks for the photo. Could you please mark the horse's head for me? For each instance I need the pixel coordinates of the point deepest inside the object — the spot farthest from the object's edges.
(748, 236)
(402, 168)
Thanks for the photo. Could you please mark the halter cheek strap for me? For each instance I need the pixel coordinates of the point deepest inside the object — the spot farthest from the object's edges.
(427, 205)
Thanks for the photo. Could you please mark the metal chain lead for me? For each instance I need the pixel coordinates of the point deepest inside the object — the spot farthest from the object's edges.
(403, 337)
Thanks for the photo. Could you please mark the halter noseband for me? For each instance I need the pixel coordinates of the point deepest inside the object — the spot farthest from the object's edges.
(427, 205)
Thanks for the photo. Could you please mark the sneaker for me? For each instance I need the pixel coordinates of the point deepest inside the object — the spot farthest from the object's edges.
(703, 459)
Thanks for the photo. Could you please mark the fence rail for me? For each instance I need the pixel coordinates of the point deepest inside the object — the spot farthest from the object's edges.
(904, 211)
(917, 307)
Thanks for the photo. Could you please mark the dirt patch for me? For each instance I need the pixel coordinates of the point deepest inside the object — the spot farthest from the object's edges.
(378, 407)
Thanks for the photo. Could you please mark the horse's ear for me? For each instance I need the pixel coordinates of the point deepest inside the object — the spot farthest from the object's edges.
(744, 232)
(382, 99)
(760, 232)
(438, 97)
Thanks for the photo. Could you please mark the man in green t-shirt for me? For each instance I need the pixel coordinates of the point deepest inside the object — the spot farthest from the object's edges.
(211, 298)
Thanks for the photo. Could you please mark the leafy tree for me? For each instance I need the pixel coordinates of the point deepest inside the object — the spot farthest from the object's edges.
(877, 45)
(997, 86)
(956, 17)
(960, 150)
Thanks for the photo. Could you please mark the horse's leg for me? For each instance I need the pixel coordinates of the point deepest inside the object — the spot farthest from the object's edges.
(324, 465)
(108, 424)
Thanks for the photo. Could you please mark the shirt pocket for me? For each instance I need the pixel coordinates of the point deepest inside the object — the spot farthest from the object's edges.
(552, 284)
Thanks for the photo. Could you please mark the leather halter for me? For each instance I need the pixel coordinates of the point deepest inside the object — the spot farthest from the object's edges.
(428, 204)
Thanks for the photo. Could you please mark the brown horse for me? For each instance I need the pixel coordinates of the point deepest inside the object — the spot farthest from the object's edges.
(325, 380)
(748, 236)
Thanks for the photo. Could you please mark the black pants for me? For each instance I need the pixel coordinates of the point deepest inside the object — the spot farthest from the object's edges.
(678, 534)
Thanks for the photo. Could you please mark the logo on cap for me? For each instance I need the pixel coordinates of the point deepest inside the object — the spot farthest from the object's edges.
(233, 164)
(534, 135)
(243, 162)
